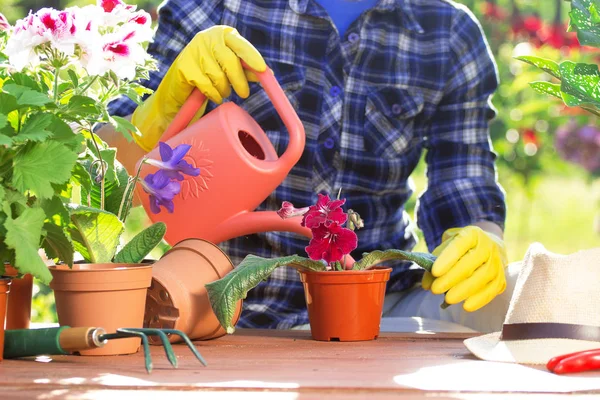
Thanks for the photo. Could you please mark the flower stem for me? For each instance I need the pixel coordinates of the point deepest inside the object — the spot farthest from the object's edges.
(129, 192)
(56, 84)
(90, 83)
(101, 166)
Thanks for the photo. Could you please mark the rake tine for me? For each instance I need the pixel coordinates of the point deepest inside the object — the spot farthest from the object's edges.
(188, 342)
(165, 341)
(147, 356)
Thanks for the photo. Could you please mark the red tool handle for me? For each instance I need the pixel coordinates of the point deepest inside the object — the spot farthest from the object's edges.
(580, 361)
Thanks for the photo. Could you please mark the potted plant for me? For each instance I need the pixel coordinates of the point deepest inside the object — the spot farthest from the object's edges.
(63, 189)
(344, 298)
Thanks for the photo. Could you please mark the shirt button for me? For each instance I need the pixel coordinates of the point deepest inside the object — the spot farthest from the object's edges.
(396, 109)
(329, 143)
(335, 91)
(353, 37)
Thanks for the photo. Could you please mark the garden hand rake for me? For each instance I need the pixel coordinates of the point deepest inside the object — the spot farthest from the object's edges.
(66, 340)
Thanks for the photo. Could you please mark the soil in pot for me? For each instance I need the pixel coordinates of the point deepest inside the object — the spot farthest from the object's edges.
(108, 296)
(345, 305)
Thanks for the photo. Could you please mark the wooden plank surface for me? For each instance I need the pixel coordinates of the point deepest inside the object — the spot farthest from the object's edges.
(289, 364)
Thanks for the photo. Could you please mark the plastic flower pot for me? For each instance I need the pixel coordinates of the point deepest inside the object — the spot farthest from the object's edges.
(177, 298)
(345, 306)
(18, 313)
(108, 296)
(4, 290)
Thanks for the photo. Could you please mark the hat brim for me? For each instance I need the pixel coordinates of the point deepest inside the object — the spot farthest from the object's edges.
(535, 351)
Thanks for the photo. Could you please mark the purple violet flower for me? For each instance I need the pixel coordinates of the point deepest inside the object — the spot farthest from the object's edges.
(162, 190)
(173, 163)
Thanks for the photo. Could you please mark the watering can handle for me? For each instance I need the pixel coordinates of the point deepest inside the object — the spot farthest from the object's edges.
(276, 95)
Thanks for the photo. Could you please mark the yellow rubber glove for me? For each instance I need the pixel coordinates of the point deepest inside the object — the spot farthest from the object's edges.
(211, 63)
(469, 267)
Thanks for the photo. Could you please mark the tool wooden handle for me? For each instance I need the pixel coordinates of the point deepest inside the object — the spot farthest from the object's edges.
(75, 339)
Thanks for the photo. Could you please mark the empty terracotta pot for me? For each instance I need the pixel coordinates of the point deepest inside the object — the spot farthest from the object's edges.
(18, 313)
(345, 306)
(4, 290)
(177, 298)
(108, 296)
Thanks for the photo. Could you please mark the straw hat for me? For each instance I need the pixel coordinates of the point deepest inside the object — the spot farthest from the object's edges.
(554, 310)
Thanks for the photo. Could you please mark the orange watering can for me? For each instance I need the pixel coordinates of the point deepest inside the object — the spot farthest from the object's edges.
(239, 169)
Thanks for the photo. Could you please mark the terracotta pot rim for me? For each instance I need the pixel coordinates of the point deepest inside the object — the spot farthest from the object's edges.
(99, 267)
(380, 270)
(4, 279)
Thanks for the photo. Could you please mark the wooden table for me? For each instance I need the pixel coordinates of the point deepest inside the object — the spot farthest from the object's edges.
(265, 364)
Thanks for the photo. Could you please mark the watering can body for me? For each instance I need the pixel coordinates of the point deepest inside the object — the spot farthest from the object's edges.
(239, 169)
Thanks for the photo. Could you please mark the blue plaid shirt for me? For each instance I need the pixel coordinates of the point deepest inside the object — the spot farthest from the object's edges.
(408, 76)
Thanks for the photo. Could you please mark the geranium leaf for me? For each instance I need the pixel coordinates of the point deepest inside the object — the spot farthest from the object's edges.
(37, 168)
(62, 132)
(35, 128)
(227, 291)
(83, 106)
(8, 103)
(3, 120)
(126, 128)
(544, 64)
(26, 96)
(23, 236)
(95, 233)
(424, 260)
(142, 244)
(113, 190)
(57, 244)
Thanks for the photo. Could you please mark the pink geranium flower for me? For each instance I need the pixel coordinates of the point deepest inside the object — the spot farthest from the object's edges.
(331, 243)
(326, 211)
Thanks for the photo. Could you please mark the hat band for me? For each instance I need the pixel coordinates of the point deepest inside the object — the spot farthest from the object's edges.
(550, 330)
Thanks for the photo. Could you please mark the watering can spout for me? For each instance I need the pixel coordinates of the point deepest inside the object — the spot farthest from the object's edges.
(247, 223)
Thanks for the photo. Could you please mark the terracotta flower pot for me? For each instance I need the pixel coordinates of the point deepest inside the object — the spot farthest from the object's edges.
(108, 296)
(18, 313)
(4, 290)
(177, 298)
(345, 305)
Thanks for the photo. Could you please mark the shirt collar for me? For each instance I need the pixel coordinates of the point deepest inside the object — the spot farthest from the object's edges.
(410, 21)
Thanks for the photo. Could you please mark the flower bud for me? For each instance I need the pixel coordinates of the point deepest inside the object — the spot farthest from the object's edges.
(4, 25)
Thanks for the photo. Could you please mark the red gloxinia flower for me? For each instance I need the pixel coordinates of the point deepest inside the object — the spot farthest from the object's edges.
(331, 243)
(326, 211)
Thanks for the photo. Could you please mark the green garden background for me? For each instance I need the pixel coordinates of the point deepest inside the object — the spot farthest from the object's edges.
(548, 154)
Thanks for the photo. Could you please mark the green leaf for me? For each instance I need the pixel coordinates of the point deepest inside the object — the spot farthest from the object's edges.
(125, 127)
(23, 236)
(544, 64)
(227, 291)
(582, 21)
(73, 77)
(56, 211)
(108, 156)
(424, 260)
(595, 16)
(40, 166)
(3, 120)
(581, 81)
(8, 103)
(553, 89)
(95, 233)
(142, 244)
(26, 96)
(23, 79)
(82, 177)
(62, 132)
(57, 244)
(35, 129)
(113, 191)
(83, 106)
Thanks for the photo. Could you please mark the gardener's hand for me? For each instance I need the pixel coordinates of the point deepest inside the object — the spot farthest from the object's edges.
(470, 266)
(211, 62)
